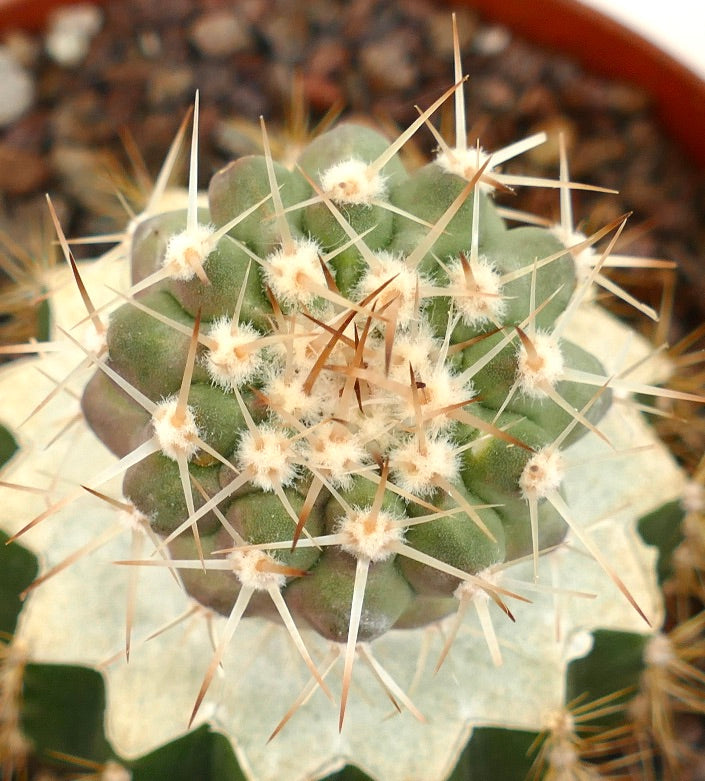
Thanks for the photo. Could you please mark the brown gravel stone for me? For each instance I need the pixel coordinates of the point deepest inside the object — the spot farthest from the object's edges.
(168, 85)
(80, 118)
(389, 63)
(21, 172)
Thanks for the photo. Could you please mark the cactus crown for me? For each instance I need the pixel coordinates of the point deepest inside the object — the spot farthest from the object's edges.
(346, 384)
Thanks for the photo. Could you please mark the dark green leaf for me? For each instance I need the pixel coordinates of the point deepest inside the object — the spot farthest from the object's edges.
(62, 711)
(202, 755)
(662, 528)
(615, 663)
(497, 754)
(18, 568)
(7, 445)
(44, 320)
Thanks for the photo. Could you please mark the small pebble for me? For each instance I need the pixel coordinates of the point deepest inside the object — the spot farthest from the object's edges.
(166, 85)
(547, 155)
(70, 32)
(150, 44)
(497, 94)
(81, 118)
(492, 40)
(21, 172)
(16, 88)
(23, 47)
(389, 64)
(219, 34)
(439, 29)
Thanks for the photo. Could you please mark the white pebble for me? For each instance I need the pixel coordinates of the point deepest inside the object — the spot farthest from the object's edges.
(70, 32)
(219, 34)
(16, 88)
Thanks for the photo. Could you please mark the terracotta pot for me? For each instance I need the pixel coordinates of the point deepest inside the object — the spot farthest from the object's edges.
(607, 48)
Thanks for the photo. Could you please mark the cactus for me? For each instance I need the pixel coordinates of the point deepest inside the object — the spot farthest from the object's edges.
(333, 407)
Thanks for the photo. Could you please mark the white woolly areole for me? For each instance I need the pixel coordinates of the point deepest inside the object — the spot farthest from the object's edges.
(564, 757)
(472, 590)
(290, 274)
(400, 293)
(477, 291)
(254, 569)
(585, 259)
(693, 497)
(534, 372)
(376, 425)
(684, 557)
(659, 652)
(176, 438)
(435, 391)
(416, 346)
(417, 469)
(95, 341)
(133, 521)
(370, 535)
(112, 771)
(232, 361)
(287, 396)
(542, 474)
(559, 722)
(186, 252)
(337, 451)
(299, 352)
(349, 182)
(266, 454)
(465, 163)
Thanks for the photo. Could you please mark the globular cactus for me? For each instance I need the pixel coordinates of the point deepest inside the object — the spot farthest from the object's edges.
(397, 402)
(345, 403)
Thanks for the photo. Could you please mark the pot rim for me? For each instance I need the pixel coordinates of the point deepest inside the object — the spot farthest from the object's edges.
(607, 48)
(31, 15)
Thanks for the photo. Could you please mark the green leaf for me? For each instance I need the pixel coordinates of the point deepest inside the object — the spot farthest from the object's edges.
(18, 568)
(202, 754)
(662, 528)
(44, 321)
(615, 663)
(7, 445)
(62, 711)
(499, 754)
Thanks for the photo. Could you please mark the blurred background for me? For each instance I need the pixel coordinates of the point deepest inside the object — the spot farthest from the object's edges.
(91, 95)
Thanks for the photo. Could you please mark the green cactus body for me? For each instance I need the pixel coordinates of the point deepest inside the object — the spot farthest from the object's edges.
(334, 392)
(346, 397)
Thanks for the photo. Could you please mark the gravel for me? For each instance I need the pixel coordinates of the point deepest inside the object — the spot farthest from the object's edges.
(126, 74)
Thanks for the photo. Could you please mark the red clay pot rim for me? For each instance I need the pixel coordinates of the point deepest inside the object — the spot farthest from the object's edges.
(601, 44)
(607, 48)
(31, 14)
